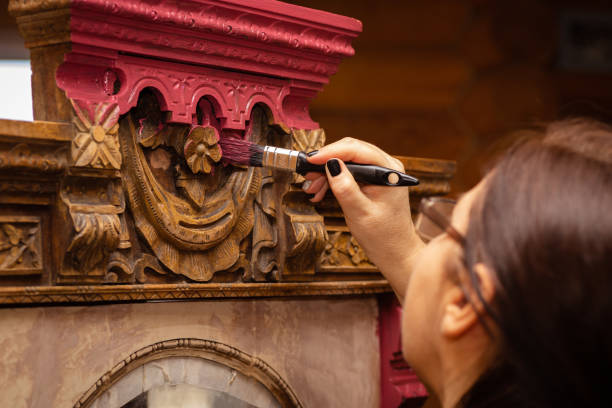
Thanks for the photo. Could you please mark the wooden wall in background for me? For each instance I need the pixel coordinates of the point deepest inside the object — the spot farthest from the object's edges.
(449, 79)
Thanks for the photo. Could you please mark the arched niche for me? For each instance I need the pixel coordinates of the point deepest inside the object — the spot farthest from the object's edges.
(179, 373)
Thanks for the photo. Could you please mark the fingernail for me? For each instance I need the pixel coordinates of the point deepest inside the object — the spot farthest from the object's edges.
(312, 153)
(333, 165)
(306, 185)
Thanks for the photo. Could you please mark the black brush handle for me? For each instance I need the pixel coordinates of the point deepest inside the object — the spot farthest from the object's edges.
(364, 173)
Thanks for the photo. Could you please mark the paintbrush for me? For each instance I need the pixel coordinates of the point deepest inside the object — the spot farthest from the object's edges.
(243, 152)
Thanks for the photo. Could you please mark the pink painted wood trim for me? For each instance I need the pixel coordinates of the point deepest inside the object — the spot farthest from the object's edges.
(263, 21)
(237, 53)
(398, 381)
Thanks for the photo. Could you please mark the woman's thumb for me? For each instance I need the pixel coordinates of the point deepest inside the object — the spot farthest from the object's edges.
(345, 188)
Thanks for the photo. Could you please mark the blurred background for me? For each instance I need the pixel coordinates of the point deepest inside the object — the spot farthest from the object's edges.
(448, 79)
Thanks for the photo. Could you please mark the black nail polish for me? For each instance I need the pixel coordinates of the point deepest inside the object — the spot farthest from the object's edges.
(333, 165)
(310, 154)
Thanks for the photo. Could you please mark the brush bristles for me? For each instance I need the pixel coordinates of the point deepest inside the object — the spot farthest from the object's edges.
(243, 152)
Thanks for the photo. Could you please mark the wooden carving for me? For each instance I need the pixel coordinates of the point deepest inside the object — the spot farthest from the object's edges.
(20, 245)
(194, 225)
(118, 190)
(343, 251)
(96, 144)
(92, 207)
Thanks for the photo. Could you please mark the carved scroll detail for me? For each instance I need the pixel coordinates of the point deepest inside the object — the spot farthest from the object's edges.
(306, 235)
(94, 208)
(97, 235)
(20, 245)
(96, 144)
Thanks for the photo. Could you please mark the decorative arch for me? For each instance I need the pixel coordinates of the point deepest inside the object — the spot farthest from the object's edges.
(211, 95)
(190, 347)
(273, 109)
(157, 87)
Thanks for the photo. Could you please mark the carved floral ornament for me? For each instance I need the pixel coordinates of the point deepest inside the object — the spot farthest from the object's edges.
(202, 150)
(96, 144)
(20, 245)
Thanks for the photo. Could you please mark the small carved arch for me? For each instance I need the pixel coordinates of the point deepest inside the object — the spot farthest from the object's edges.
(270, 108)
(148, 84)
(273, 118)
(205, 349)
(210, 95)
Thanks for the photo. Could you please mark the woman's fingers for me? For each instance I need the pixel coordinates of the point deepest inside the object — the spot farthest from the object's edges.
(357, 151)
(313, 186)
(313, 176)
(321, 193)
(346, 189)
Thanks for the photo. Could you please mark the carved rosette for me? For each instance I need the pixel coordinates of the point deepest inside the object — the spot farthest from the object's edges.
(202, 150)
(96, 144)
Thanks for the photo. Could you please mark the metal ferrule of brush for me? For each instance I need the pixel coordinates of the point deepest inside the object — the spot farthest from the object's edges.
(279, 158)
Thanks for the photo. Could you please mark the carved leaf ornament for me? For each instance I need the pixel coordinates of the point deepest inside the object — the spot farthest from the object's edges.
(96, 236)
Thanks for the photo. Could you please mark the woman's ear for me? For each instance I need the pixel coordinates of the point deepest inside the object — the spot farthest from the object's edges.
(462, 304)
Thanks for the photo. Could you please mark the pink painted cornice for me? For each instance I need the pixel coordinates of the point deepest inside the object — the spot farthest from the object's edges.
(235, 52)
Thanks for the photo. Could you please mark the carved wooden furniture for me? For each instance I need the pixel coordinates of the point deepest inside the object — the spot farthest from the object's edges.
(117, 191)
(118, 183)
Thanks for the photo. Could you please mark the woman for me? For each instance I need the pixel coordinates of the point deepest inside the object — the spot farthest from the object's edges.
(511, 305)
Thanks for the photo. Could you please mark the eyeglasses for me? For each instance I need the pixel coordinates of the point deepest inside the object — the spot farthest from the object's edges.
(434, 219)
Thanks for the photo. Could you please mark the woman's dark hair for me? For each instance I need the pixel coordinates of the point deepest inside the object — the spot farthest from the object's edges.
(544, 227)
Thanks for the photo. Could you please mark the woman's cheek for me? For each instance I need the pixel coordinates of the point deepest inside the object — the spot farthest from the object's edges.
(421, 305)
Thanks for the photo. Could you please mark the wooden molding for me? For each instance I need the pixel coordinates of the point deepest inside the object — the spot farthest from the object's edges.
(184, 291)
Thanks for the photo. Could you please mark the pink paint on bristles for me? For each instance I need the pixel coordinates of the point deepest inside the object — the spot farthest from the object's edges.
(236, 151)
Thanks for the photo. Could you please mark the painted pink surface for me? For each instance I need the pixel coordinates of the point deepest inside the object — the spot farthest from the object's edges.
(236, 53)
(398, 381)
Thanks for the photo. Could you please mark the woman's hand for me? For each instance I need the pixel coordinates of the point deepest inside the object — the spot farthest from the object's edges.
(378, 217)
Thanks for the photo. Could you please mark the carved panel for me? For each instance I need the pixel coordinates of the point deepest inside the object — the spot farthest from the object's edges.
(20, 245)
(193, 231)
(343, 253)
